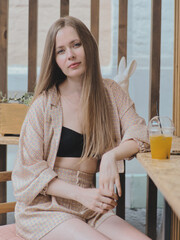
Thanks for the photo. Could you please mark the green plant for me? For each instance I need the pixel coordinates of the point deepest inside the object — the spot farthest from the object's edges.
(24, 99)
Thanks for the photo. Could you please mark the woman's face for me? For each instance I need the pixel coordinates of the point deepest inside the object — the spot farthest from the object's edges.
(70, 56)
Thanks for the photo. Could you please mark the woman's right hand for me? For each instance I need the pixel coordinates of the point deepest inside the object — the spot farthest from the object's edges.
(98, 200)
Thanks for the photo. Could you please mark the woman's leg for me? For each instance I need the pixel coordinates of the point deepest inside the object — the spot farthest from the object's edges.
(116, 229)
(74, 229)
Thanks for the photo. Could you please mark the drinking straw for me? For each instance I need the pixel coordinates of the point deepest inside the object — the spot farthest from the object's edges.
(157, 113)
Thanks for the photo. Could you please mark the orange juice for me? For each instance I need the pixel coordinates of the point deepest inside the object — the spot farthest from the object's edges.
(160, 146)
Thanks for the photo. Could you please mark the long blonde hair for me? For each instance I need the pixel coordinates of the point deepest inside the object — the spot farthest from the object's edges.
(97, 120)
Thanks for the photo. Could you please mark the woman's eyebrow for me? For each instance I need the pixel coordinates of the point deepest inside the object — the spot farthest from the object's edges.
(69, 43)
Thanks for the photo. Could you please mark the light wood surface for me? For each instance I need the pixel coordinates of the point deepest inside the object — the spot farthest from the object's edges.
(165, 174)
(12, 117)
(7, 207)
(9, 140)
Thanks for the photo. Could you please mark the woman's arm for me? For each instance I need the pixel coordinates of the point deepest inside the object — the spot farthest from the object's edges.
(126, 149)
(92, 198)
(109, 175)
(31, 172)
(62, 189)
(133, 137)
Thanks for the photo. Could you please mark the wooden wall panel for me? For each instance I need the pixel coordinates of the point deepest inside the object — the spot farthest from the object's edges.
(4, 5)
(122, 31)
(122, 51)
(155, 51)
(3, 44)
(64, 8)
(95, 19)
(32, 44)
(176, 89)
(155, 58)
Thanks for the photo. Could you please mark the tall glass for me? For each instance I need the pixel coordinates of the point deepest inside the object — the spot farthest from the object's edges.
(161, 131)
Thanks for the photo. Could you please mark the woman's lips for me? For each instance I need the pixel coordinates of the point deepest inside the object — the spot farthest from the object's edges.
(74, 65)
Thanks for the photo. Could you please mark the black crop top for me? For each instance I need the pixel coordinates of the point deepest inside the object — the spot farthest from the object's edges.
(71, 143)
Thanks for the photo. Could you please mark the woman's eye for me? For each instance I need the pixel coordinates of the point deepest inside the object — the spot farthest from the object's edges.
(60, 51)
(77, 44)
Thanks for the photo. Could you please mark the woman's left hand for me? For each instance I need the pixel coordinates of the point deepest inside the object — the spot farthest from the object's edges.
(108, 173)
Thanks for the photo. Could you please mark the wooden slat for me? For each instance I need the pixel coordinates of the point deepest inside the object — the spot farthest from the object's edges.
(175, 227)
(176, 87)
(7, 207)
(151, 215)
(5, 176)
(155, 57)
(3, 44)
(4, 5)
(122, 32)
(32, 44)
(64, 8)
(122, 51)
(95, 19)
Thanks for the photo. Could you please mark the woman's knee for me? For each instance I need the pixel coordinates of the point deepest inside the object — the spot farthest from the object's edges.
(117, 228)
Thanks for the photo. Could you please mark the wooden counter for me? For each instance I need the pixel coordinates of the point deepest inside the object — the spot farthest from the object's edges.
(165, 174)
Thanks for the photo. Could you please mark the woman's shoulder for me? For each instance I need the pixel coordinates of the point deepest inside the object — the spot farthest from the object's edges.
(44, 100)
(47, 96)
(116, 93)
(113, 86)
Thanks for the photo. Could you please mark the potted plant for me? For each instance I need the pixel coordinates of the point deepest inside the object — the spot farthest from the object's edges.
(12, 113)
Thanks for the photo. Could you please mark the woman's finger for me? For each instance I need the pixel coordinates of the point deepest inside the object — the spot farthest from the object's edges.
(111, 186)
(105, 206)
(118, 185)
(99, 210)
(109, 194)
(109, 201)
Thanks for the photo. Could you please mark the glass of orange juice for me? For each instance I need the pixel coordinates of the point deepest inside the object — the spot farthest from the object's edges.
(161, 131)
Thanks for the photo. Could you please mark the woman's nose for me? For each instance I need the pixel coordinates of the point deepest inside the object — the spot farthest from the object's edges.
(70, 54)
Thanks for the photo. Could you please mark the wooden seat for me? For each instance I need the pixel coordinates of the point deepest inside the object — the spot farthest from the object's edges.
(7, 232)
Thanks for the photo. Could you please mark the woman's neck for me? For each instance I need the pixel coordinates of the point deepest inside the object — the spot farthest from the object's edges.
(69, 87)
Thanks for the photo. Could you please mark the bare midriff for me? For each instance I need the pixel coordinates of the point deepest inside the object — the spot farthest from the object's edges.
(89, 166)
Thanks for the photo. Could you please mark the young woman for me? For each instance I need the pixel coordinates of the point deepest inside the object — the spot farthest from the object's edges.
(78, 124)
